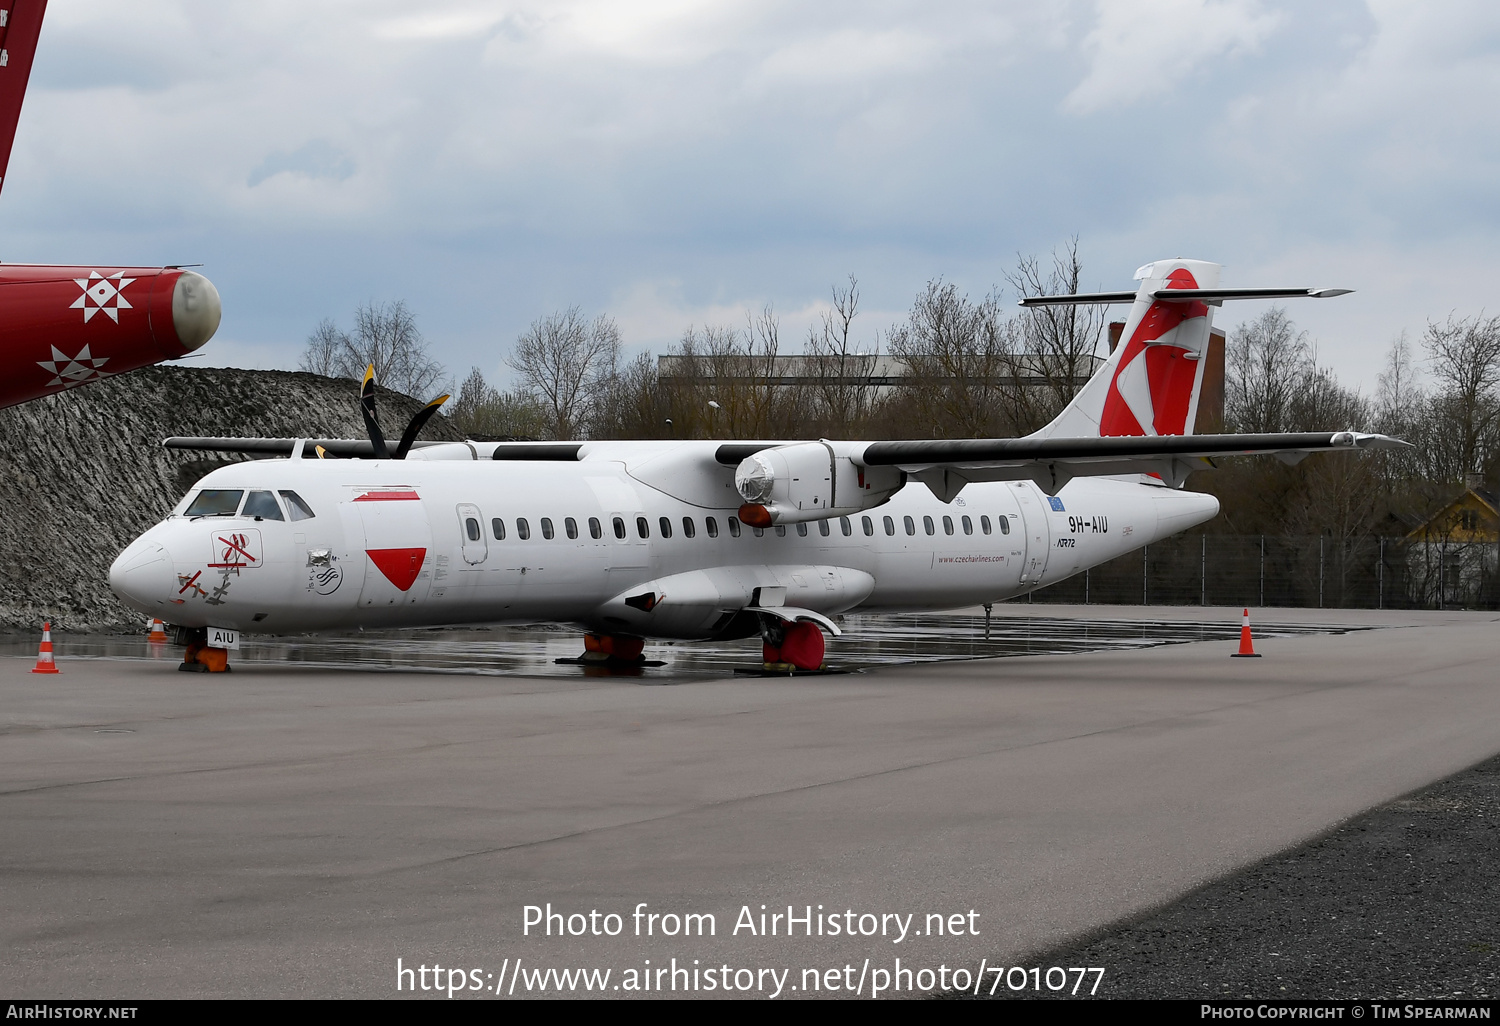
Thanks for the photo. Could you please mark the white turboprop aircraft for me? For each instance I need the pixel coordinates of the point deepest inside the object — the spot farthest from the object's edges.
(701, 539)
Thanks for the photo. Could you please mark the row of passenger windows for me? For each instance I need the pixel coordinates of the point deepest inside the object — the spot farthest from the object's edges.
(711, 527)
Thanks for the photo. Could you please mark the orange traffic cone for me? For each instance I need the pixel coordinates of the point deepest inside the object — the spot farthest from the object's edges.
(158, 633)
(44, 663)
(1247, 650)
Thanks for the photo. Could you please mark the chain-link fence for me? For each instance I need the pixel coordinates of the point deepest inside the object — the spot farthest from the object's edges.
(1278, 570)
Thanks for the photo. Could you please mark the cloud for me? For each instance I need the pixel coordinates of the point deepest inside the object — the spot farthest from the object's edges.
(848, 55)
(678, 162)
(1145, 48)
(317, 159)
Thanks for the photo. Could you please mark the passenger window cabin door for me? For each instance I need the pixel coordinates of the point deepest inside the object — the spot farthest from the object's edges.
(471, 531)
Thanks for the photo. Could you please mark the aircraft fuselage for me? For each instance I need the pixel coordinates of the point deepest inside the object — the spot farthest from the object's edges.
(644, 544)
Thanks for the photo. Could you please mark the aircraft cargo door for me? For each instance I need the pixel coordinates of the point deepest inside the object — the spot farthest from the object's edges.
(1036, 531)
(397, 545)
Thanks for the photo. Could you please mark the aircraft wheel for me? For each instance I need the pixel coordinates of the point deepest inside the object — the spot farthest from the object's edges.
(615, 646)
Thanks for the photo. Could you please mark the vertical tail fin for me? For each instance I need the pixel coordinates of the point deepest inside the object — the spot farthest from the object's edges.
(20, 25)
(1151, 382)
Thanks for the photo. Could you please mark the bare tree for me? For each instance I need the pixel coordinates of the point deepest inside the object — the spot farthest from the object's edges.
(1060, 340)
(1464, 355)
(385, 336)
(1398, 394)
(961, 364)
(486, 414)
(566, 363)
(325, 348)
(1268, 360)
(635, 404)
(845, 377)
(473, 395)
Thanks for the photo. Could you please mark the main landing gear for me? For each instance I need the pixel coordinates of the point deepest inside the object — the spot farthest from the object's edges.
(612, 650)
(789, 647)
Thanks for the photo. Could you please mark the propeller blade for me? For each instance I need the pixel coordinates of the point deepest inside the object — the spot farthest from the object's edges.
(417, 423)
(322, 452)
(367, 407)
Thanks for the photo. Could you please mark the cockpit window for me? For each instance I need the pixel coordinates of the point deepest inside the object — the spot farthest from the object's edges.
(294, 504)
(214, 502)
(262, 505)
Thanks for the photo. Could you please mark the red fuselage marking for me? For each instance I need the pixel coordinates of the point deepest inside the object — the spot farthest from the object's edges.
(400, 566)
(387, 497)
(235, 543)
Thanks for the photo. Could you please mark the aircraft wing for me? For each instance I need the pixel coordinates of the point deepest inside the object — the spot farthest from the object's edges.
(946, 465)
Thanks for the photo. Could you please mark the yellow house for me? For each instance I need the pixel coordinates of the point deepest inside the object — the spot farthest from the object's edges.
(1472, 517)
(1452, 556)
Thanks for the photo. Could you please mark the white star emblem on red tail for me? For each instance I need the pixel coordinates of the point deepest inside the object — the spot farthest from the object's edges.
(73, 370)
(103, 293)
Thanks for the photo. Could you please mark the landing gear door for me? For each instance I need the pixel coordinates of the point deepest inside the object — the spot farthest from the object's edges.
(1037, 532)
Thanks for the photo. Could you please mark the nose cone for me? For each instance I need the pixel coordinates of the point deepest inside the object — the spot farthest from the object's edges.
(195, 309)
(142, 577)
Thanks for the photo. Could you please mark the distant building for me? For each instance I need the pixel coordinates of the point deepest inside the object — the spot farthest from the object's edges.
(883, 373)
(878, 371)
(1453, 555)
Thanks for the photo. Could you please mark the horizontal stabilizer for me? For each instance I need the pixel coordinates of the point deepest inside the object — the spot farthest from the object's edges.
(1212, 296)
(1079, 299)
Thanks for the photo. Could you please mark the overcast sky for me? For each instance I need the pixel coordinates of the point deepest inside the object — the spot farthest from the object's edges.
(672, 162)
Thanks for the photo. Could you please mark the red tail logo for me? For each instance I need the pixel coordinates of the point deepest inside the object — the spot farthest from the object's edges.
(1152, 389)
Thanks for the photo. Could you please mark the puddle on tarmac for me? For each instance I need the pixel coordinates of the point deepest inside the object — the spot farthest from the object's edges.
(868, 640)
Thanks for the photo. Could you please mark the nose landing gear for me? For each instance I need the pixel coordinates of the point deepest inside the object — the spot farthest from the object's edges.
(199, 658)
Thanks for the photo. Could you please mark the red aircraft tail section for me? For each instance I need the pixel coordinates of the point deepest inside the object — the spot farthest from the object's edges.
(20, 25)
(1150, 384)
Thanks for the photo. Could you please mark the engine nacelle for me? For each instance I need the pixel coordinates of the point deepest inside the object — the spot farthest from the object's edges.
(788, 484)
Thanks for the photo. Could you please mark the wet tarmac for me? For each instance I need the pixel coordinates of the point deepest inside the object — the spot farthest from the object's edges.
(869, 640)
(294, 829)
